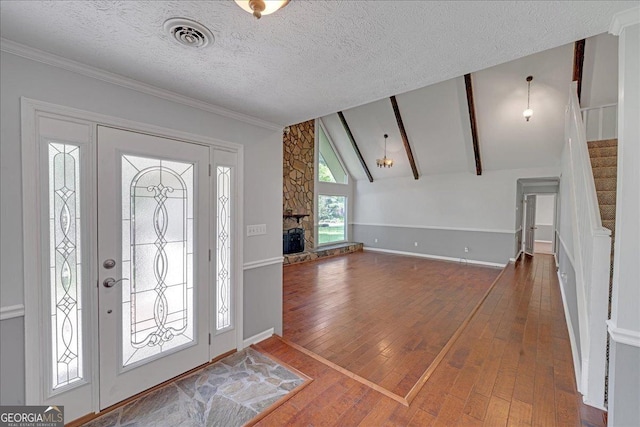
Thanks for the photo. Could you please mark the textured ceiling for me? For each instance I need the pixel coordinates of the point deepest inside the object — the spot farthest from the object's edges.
(309, 59)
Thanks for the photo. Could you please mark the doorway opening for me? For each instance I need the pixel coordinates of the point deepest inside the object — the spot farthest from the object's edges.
(536, 216)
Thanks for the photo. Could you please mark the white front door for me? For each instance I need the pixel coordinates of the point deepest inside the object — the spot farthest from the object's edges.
(153, 260)
(530, 225)
(135, 253)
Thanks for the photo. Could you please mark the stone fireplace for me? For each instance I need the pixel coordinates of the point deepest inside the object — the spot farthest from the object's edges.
(298, 181)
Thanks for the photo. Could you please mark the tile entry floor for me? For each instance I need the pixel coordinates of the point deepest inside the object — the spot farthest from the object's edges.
(227, 393)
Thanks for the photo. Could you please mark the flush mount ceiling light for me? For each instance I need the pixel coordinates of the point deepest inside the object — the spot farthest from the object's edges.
(188, 32)
(261, 7)
(385, 162)
(528, 112)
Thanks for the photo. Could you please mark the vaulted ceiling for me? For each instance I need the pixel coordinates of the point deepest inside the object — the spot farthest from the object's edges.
(311, 58)
(436, 119)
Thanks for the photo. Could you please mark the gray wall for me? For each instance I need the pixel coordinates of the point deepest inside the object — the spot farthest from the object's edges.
(12, 361)
(262, 184)
(263, 310)
(495, 247)
(544, 232)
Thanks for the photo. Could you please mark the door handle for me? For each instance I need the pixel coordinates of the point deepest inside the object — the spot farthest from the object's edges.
(110, 282)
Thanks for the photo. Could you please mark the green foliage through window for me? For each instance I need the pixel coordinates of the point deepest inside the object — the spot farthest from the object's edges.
(332, 215)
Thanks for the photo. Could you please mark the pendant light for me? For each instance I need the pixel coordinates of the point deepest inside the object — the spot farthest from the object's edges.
(528, 112)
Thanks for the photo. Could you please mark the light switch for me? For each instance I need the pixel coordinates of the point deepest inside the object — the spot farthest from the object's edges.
(256, 229)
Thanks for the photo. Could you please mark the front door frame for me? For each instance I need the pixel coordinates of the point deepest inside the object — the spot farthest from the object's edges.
(31, 111)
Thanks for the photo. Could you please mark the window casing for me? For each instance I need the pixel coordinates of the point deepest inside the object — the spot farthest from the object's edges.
(332, 191)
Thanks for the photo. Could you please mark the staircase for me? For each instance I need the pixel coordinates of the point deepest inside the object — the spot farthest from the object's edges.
(604, 162)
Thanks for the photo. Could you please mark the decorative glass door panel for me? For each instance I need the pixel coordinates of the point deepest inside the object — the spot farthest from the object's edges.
(223, 248)
(153, 252)
(65, 264)
(157, 256)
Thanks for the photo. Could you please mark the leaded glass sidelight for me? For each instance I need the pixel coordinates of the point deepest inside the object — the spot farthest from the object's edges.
(157, 256)
(223, 248)
(65, 263)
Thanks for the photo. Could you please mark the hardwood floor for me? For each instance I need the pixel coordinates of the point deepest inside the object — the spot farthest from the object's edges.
(511, 365)
(385, 318)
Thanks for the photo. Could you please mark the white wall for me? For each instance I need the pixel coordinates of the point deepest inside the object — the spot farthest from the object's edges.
(459, 216)
(544, 217)
(20, 77)
(600, 71)
(461, 201)
(624, 326)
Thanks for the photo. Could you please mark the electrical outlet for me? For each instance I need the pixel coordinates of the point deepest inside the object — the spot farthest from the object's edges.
(256, 229)
(415, 244)
(466, 249)
(375, 240)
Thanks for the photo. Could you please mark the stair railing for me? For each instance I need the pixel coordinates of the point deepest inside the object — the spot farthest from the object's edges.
(592, 250)
(601, 122)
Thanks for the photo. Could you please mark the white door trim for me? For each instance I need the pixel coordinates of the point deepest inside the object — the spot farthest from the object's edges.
(30, 111)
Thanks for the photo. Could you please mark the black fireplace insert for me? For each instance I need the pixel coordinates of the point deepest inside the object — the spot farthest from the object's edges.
(293, 241)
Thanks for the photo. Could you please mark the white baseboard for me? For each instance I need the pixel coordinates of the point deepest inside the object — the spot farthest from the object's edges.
(513, 260)
(438, 257)
(11, 311)
(577, 367)
(543, 241)
(258, 337)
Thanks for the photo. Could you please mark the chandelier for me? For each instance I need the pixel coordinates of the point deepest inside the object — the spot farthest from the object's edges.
(385, 162)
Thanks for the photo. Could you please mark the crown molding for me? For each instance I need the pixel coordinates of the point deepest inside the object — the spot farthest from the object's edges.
(624, 19)
(109, 77)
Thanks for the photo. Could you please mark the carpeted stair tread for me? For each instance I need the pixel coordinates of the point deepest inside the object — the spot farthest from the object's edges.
(606, 197)
(610, 224)
(603, 151)
(605, 172)
(603, 143)
(608, 212)
(597, 162)
(605, 184)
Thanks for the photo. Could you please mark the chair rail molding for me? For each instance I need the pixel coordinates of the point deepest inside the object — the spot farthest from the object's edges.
(11, 311)
(623, 336)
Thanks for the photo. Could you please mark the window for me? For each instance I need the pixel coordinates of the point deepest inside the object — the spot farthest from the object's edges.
(332, 215)
(329, 167)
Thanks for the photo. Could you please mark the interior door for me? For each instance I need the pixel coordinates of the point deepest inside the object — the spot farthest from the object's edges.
(153, 255)
(530, 224)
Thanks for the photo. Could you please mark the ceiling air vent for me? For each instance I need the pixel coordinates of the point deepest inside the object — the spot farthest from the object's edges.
(188, 33)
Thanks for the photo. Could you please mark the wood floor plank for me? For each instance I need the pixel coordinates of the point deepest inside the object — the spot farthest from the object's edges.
(428, 301)
(520, 414)
(497, 412)
(511, 365)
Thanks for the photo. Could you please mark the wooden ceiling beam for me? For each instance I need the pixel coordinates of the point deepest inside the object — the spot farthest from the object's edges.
(355, 145)
(474, 124)
(578, 62)
(405, 138)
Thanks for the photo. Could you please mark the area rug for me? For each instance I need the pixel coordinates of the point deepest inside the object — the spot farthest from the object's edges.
(234, 391)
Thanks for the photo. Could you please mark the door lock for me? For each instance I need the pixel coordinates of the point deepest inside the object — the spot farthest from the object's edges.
(110, 282)
(109, 264)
